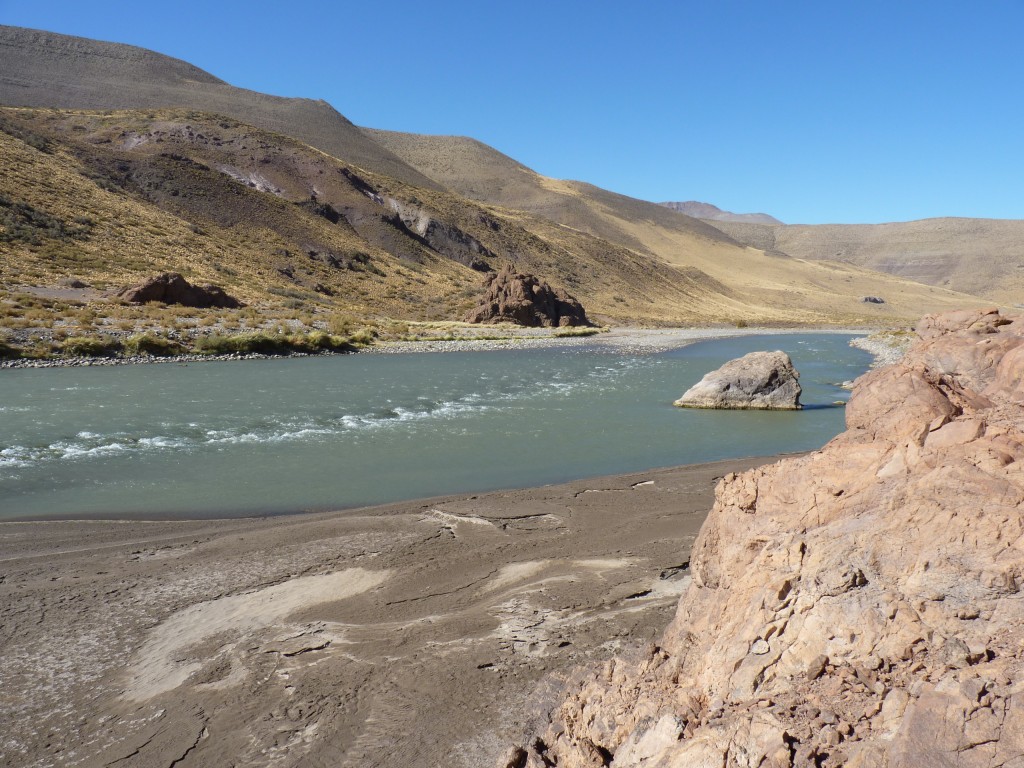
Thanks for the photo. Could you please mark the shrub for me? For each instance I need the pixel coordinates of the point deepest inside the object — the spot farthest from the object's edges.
(242, 344)
(564, 332)
(364, 336)
(148, 344)
(271, 344)
(90, 346)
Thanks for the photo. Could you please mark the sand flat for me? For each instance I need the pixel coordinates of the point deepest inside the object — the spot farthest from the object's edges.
(405, 635)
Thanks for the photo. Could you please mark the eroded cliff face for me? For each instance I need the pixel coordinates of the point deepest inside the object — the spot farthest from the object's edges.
(858, 606)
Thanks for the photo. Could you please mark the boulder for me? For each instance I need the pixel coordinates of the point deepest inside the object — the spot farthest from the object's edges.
(172, 288)
(524, 299)
(873, 300)
(757, 381)
(856, 606)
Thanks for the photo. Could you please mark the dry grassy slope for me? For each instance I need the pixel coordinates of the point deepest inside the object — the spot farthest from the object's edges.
(979, 256)
(44, 69)
(228, 203)
(152, 213)
(748, 284)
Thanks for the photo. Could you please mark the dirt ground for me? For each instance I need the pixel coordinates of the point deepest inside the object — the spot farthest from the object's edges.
(406, 635)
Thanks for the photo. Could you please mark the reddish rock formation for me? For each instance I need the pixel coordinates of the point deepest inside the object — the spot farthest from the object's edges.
(526, 300)
(858, 606)
(172, 288)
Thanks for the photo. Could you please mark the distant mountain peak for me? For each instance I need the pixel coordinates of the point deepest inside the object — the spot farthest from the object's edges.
(699, 210)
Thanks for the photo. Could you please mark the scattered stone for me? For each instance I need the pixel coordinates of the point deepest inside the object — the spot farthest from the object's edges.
(816, 668)
(759, 380)
(526, 300)
(172, 288)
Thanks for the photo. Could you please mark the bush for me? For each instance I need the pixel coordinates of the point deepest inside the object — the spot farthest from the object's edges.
(364, 336)
(148, 344)
(241, 344)
(90, 346)
(272, 344)
(319, 341)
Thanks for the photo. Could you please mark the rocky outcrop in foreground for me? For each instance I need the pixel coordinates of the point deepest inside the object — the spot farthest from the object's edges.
(172, 288)
(526, 300)
(759, 380)
(858, 606)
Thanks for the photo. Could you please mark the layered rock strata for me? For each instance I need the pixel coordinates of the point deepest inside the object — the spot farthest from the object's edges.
(524, 299)
(757, 381)
(858, 606)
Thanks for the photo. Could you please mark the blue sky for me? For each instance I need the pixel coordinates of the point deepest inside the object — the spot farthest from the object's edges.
(811, 111)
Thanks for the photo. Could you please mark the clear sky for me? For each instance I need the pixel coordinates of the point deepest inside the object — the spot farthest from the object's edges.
(813, 111)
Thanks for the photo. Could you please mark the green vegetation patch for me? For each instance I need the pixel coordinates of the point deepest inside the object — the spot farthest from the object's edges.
(272, 344)
(149, 344)
(86, 346)
(566, 332)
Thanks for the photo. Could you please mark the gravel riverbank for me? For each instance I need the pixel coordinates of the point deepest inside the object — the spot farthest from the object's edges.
(615, 340)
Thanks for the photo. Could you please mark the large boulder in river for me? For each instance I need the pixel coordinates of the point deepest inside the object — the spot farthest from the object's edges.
(759, 381)
(524, 299)
(172, 288)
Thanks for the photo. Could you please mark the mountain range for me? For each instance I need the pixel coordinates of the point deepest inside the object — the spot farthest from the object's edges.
(281, 199)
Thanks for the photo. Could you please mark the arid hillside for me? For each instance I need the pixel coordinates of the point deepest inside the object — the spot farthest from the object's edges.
(140, 163)
(984, 257)
(109, 198)
(44, 69)
(753, 276)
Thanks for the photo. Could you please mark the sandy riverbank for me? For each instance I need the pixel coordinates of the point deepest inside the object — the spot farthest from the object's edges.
(405, 635)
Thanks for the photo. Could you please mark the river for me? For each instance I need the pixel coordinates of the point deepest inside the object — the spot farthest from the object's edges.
(286, 435)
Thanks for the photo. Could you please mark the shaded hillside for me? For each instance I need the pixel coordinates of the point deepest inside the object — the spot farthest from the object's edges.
(984, 257)
(701, 210)
(44, 69)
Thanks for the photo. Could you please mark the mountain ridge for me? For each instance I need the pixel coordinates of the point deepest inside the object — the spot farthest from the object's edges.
(707, 211)
(46, 69)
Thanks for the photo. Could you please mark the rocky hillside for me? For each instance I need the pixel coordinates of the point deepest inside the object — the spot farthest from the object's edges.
(701, 210)
(45, 69)
(984, 257)
(859, 606)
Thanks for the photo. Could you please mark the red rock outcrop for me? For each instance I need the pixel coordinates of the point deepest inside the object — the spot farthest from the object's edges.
(526, 300)
(858, 606)
(172, 288)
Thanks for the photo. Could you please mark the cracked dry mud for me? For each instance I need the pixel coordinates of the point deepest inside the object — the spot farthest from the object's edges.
(406, 635)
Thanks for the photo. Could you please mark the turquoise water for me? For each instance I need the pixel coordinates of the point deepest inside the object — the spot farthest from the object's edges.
(272, 436)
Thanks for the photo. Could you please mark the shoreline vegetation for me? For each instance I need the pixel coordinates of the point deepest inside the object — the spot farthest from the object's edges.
(886, 346)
